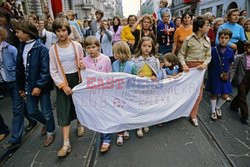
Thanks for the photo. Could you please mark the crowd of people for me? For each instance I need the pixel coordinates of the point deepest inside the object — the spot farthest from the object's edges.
(42, 54)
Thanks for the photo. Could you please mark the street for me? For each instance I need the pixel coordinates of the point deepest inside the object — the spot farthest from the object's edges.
(225, 142)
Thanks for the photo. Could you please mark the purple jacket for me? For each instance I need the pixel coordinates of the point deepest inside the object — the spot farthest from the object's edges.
(117, 34)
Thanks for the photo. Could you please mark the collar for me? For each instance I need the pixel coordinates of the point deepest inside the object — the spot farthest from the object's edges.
(29, 41)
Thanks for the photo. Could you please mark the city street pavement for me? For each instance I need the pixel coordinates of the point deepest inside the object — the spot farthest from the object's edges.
(225, 142)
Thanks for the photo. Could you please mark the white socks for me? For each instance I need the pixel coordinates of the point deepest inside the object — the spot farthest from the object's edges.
(213, 105)
(66, 142)
(220, 102)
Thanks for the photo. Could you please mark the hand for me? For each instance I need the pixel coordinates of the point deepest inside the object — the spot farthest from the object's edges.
(82, 65)
(140, 75)
(67, 90)
(234, 46)
(185, 68)
(36, 92)
(153, 78)
(22, 94)
(202, 67)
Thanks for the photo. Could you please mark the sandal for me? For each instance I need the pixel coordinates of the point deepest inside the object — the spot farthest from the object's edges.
(105, 147)
(218, 112)
(64, 151)
(213, 116)
(126, 135)
(119, 140)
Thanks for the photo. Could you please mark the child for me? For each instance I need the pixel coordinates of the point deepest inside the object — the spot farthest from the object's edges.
(218, 83)
(162, 72)
(123, 63)
(65, 57)
(163, 7)
(172, 65)
(98, 62)
(241, 69)
(147, 65)
(196, 54)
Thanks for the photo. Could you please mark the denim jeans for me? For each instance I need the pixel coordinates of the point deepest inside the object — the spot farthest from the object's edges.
(3, 128)
(45, 116)
(106, 138)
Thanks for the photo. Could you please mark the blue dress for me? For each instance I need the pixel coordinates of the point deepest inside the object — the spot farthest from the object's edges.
(215, 85)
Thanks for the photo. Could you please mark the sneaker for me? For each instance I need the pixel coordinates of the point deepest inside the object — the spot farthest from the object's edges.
(194, 121)
(119, 140)
(146, 129)
(218, 112)
(30, 127)
(139, 133)
(11, 145)
(213, 116)
(126, 135)
(105, 147)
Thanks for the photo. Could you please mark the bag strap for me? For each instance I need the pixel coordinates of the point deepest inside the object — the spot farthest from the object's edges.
(221, 65)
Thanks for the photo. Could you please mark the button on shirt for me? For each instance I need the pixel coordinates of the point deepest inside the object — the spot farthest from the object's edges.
(29, 44)
(195, 49)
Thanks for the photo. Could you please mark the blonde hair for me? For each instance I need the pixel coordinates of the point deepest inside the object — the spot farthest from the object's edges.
(3, 33)
(165, 2)
(91, 40)
(122, 51)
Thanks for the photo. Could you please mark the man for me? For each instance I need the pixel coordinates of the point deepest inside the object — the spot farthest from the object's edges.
(95, 24)
(48, 38)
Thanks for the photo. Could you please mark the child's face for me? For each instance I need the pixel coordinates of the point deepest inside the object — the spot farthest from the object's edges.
(146, 48)
(162, 64)
(92, 50)
(223, 40)
(247, 26)
(234, 18)
(247, 49)
(161, 5)
(167, 64)
(206, 27)
(23, 37)
(62, 33)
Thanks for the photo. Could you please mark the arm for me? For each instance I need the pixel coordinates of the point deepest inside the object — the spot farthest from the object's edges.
(136, 24)
(175, 41)
(109, 34)
(182, 53)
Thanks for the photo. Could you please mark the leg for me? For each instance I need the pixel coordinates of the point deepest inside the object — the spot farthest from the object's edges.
(4, 131)
(213, 100)
(243, 91)
(195, 109)
(106, 138)
(66, 148)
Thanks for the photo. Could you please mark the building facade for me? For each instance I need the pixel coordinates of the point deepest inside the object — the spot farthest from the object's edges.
(181, 6)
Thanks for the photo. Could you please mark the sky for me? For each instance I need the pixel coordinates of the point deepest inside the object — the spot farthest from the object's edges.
(130, 7)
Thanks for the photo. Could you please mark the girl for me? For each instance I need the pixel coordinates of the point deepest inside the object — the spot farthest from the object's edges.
(247, 29)
(218, 73)
(123, 63)
(147, 65)
(172, 65)
(98, 62)
(65, 57)
(162, 71)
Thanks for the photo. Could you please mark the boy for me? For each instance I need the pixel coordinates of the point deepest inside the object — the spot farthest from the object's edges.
(196, 53)
(33, 77)
(163, 8)
(241, 69)
(218, 83)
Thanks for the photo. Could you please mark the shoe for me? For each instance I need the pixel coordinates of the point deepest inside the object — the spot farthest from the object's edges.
(244, 121)
(49, 140)
(126, 135)
(80, 131)
(218, 112)
(139, 133)
(105, 147)
(64, 151)
(228, 99)
(119, 140)
(30, 127)
(11, 145)
(3, 136)
(194, 121)
(213, 116)
(43, 131)
(146, 129)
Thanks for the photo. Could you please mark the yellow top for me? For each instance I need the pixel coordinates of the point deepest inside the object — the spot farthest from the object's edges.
(146, 71)
(127, 34)
(248, 35)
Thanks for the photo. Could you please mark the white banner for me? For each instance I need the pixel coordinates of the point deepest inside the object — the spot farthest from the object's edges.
(113, 102)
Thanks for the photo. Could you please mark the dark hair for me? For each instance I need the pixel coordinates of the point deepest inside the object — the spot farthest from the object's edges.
(6, 15)
(138, 51)
(100, 12)
(226, 32)
(176, 19)
(132, 16)
(59, 23)
(185, 14)
(241, 12)
(34, 17)
(198, 22)
(173, 59)
(27, 28)
(119, 20)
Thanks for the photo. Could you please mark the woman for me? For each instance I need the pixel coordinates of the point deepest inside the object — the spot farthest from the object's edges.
(177, 22)
(213, 30)
(116, 28)
(65, 57)
(105, 37)
(238, 37)
(182, 32)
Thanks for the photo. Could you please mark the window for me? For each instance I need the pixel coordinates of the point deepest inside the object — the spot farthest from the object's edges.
(203, 11)
(219, 11)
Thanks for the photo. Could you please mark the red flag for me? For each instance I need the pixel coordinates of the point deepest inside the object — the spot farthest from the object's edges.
(155, 15)
(56, 6)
